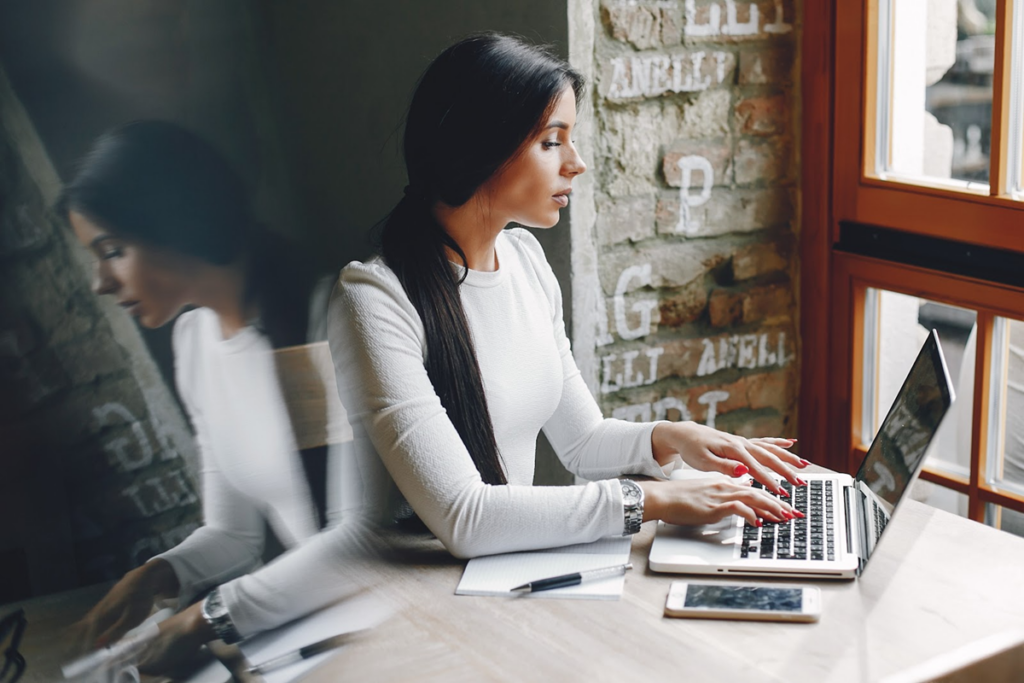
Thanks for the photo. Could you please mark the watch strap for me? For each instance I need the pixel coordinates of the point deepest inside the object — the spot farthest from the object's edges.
(216, 615)
(633, 512)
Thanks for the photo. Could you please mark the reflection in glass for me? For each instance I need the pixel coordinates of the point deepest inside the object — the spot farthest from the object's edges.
(935, 91)
(907, 430)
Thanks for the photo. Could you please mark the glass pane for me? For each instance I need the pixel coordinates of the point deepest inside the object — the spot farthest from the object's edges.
(1005, 519)
(1015, 135)
(896, 326)
(935, 91)
(939, 496)
(1006, 436)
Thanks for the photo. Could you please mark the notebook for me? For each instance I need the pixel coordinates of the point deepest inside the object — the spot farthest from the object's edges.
(845, 516)
(496, 575)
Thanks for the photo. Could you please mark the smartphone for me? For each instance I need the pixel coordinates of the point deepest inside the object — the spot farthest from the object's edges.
(760, 602)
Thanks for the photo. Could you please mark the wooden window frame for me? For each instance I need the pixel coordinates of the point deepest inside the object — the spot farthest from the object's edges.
(838, 188)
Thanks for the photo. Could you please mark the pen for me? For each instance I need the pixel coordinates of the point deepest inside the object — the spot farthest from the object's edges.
(573, 579)
(303, 653)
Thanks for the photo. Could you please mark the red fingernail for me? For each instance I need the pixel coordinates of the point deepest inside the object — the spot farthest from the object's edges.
(784, 492)
(802, 482)
(787, 515)
(804, 463)
(793, 440)
(740, 470)
(758, 522)
(799, 514)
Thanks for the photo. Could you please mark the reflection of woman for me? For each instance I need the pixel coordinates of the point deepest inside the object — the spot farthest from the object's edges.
(464, 363)
(169, 225)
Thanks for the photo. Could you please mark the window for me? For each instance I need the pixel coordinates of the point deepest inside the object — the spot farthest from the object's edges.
(913, 205)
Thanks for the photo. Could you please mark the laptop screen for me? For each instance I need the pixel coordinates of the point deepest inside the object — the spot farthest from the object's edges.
(898, 450)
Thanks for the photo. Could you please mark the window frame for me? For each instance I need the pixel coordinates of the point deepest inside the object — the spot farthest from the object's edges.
(838, 50)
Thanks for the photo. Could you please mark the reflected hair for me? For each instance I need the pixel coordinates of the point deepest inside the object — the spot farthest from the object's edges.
(161, 185)
(473, 110)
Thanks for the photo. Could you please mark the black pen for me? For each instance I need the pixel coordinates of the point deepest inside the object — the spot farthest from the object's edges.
(573, 579)
(303, 653)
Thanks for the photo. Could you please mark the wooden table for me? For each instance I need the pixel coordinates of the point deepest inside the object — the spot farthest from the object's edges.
(936, 582)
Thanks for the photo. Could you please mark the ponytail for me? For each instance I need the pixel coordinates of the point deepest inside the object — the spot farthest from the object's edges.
(413, 245)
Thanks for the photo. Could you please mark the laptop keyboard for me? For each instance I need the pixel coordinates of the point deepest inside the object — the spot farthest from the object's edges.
(880, 521)
(812, 537)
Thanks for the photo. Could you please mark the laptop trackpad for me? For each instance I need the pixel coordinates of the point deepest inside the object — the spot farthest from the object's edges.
(688, 545)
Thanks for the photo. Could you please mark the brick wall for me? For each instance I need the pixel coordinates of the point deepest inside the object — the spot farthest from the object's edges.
(685, 225)
(95, 456)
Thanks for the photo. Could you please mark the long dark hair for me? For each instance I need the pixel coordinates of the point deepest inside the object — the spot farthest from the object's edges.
(473, 109)
(162, 185)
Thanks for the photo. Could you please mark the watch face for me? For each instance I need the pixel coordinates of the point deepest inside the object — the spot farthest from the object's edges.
(630, 494)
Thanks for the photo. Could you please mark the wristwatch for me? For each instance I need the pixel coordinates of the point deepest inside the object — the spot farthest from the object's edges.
(632, 506)
(216, 615)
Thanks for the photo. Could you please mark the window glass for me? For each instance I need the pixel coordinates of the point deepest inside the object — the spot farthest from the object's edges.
(934, 93)
(1015, 134)
(939, 496)
(1005, 519)
(896, 327)
(1006, 436)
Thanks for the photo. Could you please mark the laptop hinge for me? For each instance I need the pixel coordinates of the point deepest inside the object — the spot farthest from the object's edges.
(856, 542)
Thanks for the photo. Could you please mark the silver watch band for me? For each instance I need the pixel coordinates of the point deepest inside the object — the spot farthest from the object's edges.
(216, 615)
(632, 506)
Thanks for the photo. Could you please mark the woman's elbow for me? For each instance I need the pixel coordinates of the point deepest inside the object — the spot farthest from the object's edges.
(464, 544)
(462, 549)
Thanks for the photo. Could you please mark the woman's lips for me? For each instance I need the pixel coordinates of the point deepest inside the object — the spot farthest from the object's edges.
(561, 199)
(131, 307)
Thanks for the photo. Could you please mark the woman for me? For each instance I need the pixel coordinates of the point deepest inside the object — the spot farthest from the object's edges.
(456, 334)
(169, 224)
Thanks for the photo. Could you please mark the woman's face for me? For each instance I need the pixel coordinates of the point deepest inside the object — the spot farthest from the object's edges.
(536, 184)
(150, 283)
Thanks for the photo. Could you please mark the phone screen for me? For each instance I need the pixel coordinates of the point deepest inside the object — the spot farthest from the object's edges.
(759, 598)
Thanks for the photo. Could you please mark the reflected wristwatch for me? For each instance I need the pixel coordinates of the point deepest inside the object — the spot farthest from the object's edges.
(632, 506)
(216, 615)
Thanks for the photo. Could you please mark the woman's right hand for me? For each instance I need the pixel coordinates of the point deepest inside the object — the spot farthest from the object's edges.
(126, 605)
(710, 500)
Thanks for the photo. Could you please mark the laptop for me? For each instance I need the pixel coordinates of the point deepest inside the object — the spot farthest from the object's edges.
(845, 516)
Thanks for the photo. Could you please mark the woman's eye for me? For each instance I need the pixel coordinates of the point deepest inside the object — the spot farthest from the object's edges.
(112, 252)
(548, 144)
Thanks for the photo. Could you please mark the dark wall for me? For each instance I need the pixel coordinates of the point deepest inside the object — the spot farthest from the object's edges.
(346, 74)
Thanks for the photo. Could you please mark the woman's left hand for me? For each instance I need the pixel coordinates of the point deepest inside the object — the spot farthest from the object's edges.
(174, 650)
(708, 449)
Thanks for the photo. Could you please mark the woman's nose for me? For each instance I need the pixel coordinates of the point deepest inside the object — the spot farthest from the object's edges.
(576, 165)
(103, 281)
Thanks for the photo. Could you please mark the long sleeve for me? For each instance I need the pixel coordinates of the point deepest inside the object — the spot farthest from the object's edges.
(589, 446)
(323, 569)
(230, 542)
(378, 345)
(251, 475)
